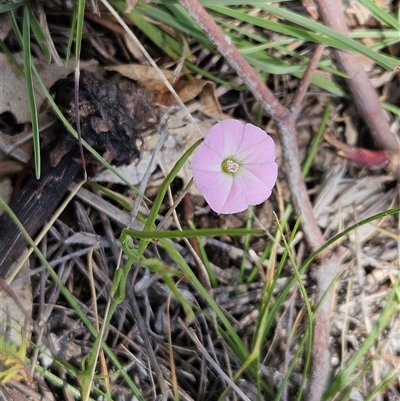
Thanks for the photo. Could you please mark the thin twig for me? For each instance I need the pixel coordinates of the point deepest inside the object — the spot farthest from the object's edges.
(141, 324)
(364, 94)
(325, 274)
(192, 335)
(302, 89)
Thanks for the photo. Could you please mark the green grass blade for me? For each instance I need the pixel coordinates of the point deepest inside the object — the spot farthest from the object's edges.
(386, 381)
(26, 31)
(279, 27)
(80, 16)
(348, 230)
(15, 28)
(72, 33)
(200, 232)
(4, 8)
(196, 69)
(352, 383)
(266, 62)
(323, 65)
(231, 334)
(40, 37)
(392, 108)
(162, 39)
(294, 360)
(57, 381)
(384, 61)
(381, 15)
(207, 265)
(113, 195)
(324, 34)
(375, 34)
(307, 263)
(246, 245)
(309, 313)
(11, 58)
(317, 140)
(254, 3)
(268, 310)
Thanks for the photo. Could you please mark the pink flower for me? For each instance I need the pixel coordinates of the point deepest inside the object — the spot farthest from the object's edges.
(234, 166)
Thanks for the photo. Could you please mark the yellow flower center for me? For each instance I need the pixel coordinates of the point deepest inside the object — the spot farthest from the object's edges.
(230, 166)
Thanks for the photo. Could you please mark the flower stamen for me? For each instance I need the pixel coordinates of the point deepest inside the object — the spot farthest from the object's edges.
(232, 166)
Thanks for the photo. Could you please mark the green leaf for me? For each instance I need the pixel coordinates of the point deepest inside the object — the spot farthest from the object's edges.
(40, 37)
(26, 31)
(4, 8)
(203, 232)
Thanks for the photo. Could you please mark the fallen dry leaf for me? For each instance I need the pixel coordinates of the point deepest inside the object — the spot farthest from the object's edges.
(186, 90)
(145, 75)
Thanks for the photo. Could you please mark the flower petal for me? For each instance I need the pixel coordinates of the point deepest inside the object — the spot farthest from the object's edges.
(218, 198)
(257, 146)
(206, 159)
(206, 180)
(236, 201)
(256, 184)
(266, 172)
(225, 137)
(220, 191)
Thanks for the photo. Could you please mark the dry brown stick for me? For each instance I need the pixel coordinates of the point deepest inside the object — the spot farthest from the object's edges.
(302, 89)
(364, 94)
(35, 204)
(10, 167)
(324, 274)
